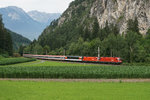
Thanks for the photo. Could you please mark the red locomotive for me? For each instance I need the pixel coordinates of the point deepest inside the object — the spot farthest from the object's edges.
(105, 60)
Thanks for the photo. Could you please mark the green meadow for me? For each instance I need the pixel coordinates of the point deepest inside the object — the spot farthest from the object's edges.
(33, 90)
(55, 63)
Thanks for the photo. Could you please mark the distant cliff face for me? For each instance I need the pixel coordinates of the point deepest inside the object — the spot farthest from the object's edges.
(114, 11)
(120, 11)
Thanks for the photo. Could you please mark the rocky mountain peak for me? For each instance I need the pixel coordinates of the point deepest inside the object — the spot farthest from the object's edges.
(120, 11)
(114, 11)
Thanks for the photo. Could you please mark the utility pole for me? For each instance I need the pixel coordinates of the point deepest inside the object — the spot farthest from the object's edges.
(64, 52)
(98, 53)
(22, 52)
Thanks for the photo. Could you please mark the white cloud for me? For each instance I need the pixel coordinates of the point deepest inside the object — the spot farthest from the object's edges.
(51, 6)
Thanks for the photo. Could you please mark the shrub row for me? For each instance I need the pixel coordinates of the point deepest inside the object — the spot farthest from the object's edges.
(75, 72)
(8, 61)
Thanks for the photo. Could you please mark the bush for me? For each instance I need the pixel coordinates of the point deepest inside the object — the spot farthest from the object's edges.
(16, 55)
(1, 57)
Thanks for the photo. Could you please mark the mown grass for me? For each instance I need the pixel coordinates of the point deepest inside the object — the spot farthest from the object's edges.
(57, 63)
(32, 63)
(8, 61)
(28, 90)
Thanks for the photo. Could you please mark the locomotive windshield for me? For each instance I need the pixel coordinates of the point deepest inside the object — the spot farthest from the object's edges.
(119, 59)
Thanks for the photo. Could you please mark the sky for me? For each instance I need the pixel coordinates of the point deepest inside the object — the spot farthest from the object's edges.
(49, 6)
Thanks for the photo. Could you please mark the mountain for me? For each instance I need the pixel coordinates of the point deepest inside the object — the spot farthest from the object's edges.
(30, 26)
(42, 17)
(120, 11)
(111, 11)
(19, 21)
(82, 15)
(18, 40)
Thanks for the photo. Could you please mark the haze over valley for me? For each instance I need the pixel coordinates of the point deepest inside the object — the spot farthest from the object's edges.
(28, 24)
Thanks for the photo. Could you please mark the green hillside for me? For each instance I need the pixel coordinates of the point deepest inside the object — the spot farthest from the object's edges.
(18, 40)
(78, 33)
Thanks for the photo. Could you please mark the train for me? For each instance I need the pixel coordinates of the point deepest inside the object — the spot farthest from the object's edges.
(85, 59)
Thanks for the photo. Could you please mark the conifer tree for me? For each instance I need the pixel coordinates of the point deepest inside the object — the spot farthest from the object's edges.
(95, 29)
(5, 40)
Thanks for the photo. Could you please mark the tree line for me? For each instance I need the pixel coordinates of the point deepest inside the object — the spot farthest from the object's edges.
(10, 42)
(131, 45)
(6, 47)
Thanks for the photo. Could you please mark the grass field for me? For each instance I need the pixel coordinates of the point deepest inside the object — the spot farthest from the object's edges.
(38, 90)
(9, 61)
(55, 63)
(29, 90)
(53, 69)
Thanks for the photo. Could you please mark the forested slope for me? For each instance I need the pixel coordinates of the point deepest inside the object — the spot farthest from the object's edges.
(80, 31)
(5, 40)
(18, 40)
